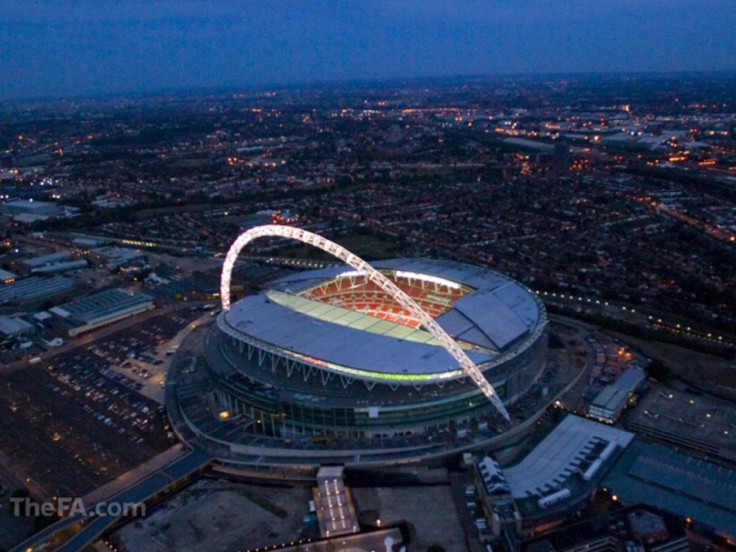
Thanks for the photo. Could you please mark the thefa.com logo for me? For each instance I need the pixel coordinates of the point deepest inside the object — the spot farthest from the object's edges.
(75, 506)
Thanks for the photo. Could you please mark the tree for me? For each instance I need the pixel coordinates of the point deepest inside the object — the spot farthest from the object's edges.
(660, 371)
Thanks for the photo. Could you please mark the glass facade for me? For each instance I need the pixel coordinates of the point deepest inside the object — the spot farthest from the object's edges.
(328, 407)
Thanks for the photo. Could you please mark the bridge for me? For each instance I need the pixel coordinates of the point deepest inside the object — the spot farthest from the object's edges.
(148, 491)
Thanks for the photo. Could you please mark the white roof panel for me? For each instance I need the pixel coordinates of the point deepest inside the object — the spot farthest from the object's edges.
(501, 324)
(454, 322)
(476, 337)
(494, 315)
(295, 331)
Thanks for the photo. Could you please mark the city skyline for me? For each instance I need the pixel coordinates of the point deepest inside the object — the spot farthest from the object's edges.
(566, 242)
(104, 48)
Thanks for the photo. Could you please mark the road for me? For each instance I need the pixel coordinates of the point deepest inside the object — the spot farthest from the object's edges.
(153, 486)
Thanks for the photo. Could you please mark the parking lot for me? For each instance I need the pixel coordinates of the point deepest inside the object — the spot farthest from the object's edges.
(139, 357)
(74, 422)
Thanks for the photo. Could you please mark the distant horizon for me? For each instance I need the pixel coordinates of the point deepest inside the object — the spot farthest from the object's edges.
(104, 47)
(347, 82)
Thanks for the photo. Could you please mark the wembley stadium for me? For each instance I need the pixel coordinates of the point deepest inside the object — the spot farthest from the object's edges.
(339, 354)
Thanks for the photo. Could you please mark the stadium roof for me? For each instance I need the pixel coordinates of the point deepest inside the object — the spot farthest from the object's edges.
(497, 314)
(472, 276)
(342, 346)
(350, 318)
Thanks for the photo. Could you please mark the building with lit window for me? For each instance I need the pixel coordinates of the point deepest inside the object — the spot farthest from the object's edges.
(7, 277)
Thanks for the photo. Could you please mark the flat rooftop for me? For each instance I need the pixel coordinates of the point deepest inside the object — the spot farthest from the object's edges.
(567, 450)
(11, 326)
(36, 262)
(611, 397)
(101, 305)
(35, 287)
(690, 415)
(676, 482)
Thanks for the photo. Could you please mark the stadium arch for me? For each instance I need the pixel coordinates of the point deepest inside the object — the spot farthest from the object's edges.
(355, 262)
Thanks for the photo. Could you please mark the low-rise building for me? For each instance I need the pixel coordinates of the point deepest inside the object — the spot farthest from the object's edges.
(638, 528)
(610, 403)
(7, 277)
(12, 327)
(495, 497)
(562, 472)
(45, 260)
(59, 267)
(691, 487)
(35, 288)
(101, 309)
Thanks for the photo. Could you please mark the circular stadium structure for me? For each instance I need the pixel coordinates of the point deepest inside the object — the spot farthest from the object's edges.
(346, 357)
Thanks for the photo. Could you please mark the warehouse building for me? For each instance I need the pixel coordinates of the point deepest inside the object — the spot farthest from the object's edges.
(614, 398)
(101, 309)
(35, 288)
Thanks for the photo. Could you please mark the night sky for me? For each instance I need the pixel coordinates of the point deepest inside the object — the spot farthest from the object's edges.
(87, 47)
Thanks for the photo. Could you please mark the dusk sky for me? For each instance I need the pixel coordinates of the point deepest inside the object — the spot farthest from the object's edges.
(84, 47)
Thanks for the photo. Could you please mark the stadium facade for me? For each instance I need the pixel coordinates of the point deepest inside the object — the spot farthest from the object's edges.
(329, 353)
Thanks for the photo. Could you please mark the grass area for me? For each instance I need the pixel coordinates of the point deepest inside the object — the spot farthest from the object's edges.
(364, 245)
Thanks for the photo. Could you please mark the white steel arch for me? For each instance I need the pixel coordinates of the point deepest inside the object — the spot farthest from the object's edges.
(339, 252)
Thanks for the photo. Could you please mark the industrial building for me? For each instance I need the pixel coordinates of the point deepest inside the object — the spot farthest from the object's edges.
(101, 309)
(54, 268)
(12, 327)
(610, 403)
(35, 288)
(7, 277)
(114, 257)
(693, 488)
(45, 260)
(558, 475)
(640, 528)
(30, 207)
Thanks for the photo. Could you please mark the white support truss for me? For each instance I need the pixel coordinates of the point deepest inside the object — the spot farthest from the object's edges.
(290, 232)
